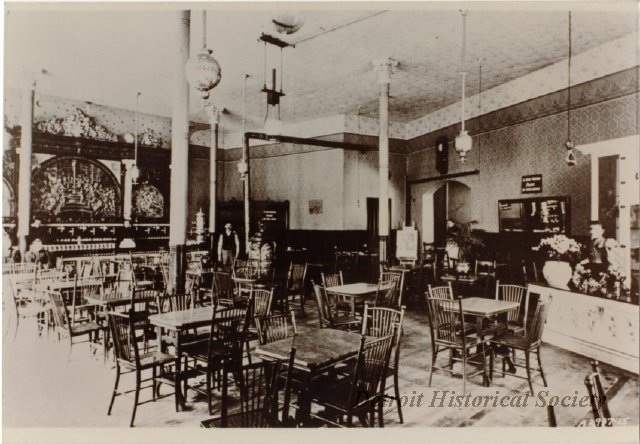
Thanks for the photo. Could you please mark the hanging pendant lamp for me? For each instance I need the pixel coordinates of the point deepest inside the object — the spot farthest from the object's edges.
(463, 142)
(135, 171)
(202, 70)
(570, 157)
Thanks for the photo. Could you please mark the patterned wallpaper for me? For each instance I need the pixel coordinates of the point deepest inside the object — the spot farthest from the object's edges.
(503, 155)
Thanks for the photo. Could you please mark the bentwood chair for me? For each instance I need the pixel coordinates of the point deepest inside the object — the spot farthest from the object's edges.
(514, 293)
(327, 313)
(380, 322)
(597, 397)
(295, 286)
(222, 289)
(222, 352)
(360, 395)
(258, 396)
(276, 327)
(398, 278)
(333, 280)
(388, 294)
(444, 291)
(447, 326)
(25, 305)
(486, 270)
(130, 360)
(528, 344)
(64, 326)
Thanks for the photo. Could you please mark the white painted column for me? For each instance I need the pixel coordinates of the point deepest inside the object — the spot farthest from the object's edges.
(24, 173)
(179, 153)
(128, 189)
(214, 119)
(383, 68)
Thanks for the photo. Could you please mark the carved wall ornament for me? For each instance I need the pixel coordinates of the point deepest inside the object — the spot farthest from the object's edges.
(78, 124)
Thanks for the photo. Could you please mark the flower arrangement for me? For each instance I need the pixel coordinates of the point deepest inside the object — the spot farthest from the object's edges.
(592, 279)
(559, 248)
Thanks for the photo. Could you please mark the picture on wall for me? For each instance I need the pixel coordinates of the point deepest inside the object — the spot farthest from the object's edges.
(536, 215)
(315, 206)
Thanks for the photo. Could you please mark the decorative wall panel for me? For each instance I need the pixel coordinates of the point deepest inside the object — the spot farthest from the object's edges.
(74, 189)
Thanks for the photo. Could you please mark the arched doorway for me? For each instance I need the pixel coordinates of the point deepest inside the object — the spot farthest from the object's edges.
(442, 201)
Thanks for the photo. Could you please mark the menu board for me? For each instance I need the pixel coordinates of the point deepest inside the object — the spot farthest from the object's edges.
(537, 215)
(407, 244)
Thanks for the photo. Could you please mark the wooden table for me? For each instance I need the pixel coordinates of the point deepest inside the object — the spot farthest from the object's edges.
(316, 351)
(359, 291)
(179, 322)
(482, 308)
(467, 280)
(104, 300)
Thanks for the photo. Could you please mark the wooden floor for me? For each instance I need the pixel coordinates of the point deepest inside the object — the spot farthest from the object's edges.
(42, 390)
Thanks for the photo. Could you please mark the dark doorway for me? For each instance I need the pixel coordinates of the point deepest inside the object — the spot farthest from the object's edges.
(372, 223)
(440, 216)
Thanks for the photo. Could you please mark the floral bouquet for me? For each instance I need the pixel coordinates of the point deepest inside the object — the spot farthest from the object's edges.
(559, 248)
(593, 279)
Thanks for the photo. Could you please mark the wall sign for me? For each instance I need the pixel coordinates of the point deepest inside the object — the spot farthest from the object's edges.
(315, 206)
(531, 184)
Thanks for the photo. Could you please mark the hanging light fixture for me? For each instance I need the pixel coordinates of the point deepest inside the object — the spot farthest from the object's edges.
(463, 141)
(203, 71)
(272, 122)
(570, 157)
(135, 171)
(288, 22)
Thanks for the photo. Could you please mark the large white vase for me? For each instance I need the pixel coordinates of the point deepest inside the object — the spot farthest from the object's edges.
(557, 274)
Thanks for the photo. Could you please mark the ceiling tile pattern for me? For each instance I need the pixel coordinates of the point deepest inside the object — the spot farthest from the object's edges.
(611, 57)
(329, 72)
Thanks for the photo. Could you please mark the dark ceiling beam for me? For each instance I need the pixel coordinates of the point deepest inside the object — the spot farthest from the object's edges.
(312, 142)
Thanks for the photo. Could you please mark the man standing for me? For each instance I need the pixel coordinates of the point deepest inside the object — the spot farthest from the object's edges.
(604, 252)
(228, 245)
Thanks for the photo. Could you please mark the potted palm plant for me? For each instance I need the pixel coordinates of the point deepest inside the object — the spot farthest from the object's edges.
(466, 238)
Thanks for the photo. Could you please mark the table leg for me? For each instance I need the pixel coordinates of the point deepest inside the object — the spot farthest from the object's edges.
(481, 348)
(180, 402)
(303, 414)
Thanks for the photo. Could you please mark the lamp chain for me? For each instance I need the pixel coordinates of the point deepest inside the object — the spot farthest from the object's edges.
(569, 84)
(135, 140)
(204, 29)
(463, 73)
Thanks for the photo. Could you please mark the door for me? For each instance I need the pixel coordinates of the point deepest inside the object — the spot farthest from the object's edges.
(372, 223)
(440, 216)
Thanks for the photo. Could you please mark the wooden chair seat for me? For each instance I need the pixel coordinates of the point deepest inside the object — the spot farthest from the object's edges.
(515, 328)
(83, 329)
(512, 341)
(148, 360)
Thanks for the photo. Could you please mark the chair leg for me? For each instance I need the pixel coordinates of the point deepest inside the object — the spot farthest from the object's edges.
(153, 379)
(528, 364)
(544, 380)
(397, 394)
(434, 354)
(464, 371)
(208, 379)
(135, 398)
(115, 389)
(70, 348)
(491, 358)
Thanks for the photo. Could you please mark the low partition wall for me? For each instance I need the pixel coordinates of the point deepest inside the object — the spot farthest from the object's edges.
(602, 329)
